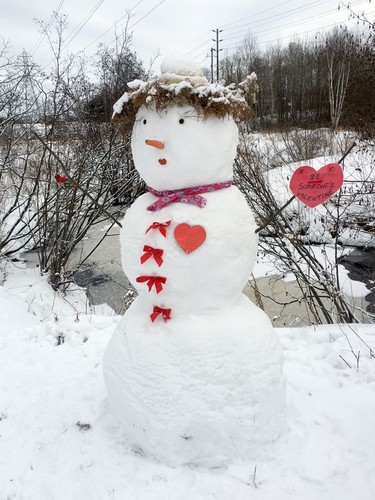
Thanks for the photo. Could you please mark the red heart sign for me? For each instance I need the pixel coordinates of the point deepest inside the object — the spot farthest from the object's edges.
(313, 187)
(188, 237)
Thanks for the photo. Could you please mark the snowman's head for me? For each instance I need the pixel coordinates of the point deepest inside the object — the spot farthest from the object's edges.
(178, 147)
(184, 128)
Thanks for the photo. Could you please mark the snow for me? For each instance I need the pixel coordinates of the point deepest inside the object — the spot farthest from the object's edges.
(59, 440)
(193, 284)
(202, 389)
(119, 105)
(180, 66)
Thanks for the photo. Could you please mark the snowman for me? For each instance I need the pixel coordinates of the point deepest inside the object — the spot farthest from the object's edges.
(194, 368)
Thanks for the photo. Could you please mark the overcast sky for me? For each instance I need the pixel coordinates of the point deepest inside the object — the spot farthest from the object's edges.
(170, 26)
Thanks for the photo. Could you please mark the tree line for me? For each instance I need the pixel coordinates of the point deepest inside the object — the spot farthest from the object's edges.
(327, 80)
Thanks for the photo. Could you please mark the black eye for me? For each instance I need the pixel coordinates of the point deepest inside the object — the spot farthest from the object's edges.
(181, 120)
(144, 122)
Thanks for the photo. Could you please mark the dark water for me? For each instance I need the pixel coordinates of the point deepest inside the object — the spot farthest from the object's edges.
(108, 283)
(361, 266)
(109, 287)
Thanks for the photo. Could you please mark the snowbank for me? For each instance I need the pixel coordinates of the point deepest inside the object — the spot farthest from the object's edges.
(59, 441)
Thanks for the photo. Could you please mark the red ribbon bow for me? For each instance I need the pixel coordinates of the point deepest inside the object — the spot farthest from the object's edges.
(166, 313)
(156, 253)
(161, 226)
(157, 281)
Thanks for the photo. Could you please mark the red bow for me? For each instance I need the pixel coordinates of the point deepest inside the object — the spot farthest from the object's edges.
(152, 252)
(157, 281)
(161, 226)
(166, 313)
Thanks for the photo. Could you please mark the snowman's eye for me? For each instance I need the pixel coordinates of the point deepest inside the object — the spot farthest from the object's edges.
(181, 120)
(144, 121)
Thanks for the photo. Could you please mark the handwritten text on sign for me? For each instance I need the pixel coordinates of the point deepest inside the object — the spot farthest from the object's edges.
(313, 187)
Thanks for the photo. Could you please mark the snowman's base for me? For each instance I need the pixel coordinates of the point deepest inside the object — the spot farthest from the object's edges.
(205, 390)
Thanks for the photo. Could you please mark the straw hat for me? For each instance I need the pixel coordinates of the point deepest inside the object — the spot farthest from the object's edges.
(182, 83)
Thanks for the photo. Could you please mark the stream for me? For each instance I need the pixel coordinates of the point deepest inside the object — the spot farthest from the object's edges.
(361, 266)
(105, 282)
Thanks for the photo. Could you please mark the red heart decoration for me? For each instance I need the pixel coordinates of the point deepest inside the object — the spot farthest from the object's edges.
(313, 187)
(189, 238)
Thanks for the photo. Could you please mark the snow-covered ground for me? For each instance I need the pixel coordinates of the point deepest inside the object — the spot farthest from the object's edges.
(59, 441)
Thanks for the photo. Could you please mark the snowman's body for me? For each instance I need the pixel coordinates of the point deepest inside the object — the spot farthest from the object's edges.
(204, 386)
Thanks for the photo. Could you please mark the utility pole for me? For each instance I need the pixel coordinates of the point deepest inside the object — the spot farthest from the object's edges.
(212, 64)
(217, 31)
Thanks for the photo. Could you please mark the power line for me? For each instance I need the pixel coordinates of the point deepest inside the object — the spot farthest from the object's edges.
(299, 34)
(197, 48)
(283, 14)
(140, 19)
(265, 20)
(82, 24)
(110, 43)
(233, 47)
(224, 26)
(149, 12)
(281, 26)
(228, 24)
(39, 42)
(113, 25)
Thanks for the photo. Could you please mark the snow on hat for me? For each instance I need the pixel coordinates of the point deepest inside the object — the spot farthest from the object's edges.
(182, 83)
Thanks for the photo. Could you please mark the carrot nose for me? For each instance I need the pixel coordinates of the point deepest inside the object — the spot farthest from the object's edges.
(154, 143)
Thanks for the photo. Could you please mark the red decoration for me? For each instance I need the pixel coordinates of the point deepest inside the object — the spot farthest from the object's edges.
(60, 178)
(166, 313)
(161, 226)
(313, 187)
(162, 161)
(156, 253)
(189, 238)
(65, 181)
(157, 281)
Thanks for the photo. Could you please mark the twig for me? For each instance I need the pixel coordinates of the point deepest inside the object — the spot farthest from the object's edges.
(254, 477)
(96, 246)
(344, 361)
(84, 191)
(347, 152)
(274, 215)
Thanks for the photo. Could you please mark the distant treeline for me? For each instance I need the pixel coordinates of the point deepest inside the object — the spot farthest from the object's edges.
(329, 80)
(325, 81)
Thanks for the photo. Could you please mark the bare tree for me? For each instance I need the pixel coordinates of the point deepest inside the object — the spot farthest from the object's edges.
(338, 50)
(285, 236)
(62, 171)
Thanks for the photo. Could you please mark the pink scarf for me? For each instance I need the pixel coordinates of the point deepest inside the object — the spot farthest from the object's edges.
(187, 195)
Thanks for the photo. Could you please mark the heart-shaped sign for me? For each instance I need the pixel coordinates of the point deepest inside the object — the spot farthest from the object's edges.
(189, 238)
(313, 187)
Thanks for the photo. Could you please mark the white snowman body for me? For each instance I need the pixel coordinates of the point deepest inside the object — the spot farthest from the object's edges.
(202, 385)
